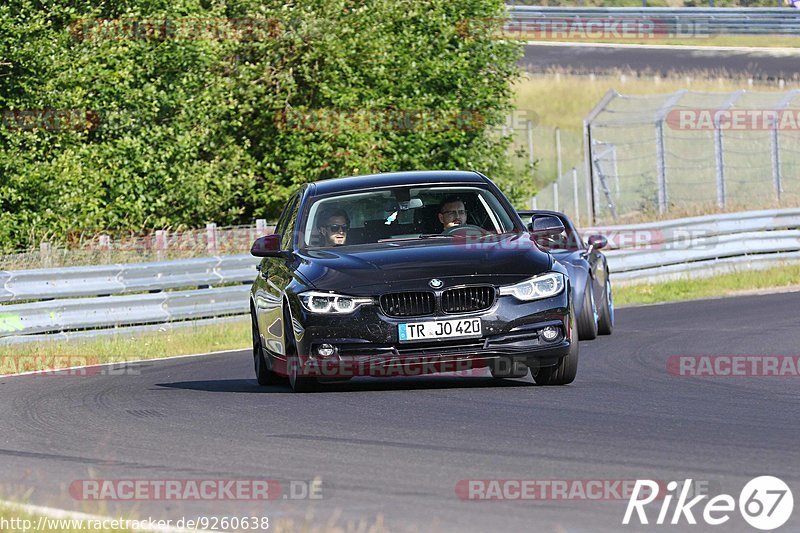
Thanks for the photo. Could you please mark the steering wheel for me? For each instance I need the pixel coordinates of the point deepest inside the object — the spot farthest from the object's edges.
(466, 229)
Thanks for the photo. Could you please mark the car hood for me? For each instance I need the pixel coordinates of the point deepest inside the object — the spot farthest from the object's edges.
(410, 265)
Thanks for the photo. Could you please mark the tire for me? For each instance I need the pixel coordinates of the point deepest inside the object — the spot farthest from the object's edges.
(297, 382)
(587, 319)
(566, 369)
(264, 375)
(507, 368)
(605, 319)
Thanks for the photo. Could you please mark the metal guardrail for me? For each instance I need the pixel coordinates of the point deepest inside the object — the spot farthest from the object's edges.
(72, 282)
(56, 300)
(684, 22)
(703, 246)
(93, 298)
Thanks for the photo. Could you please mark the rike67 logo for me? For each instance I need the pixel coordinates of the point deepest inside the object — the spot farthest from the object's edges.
(765, 502)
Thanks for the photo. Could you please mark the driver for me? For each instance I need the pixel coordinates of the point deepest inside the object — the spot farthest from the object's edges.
(333, 224)
(452, 212)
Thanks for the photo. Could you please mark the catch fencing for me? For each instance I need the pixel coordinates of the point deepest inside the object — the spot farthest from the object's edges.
(686, 153)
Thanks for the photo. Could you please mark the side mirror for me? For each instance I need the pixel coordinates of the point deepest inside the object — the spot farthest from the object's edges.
(597, 242)
(546, 226)
(267, 246)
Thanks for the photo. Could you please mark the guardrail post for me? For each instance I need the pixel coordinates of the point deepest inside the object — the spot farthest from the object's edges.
(211, 238)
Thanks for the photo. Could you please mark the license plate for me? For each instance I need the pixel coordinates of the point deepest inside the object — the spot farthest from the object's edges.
(440, 329)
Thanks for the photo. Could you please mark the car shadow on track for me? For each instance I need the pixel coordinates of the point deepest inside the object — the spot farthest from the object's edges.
(355, 385)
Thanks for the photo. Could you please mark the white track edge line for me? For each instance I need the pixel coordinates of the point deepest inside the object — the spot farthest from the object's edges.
(155, 359)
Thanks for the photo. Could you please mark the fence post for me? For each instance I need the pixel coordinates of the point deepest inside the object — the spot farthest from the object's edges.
(261, 226)
(529, 127)
(558, 151)
(555, 196)
(661, 167)
(211, 238)
(104, 244)
(719, 156)
(45, 254)
(587, 151)
(161, 244)
(575, 203)
(776, 150)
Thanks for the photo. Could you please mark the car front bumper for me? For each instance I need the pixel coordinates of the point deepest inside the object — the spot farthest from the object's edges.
(366, 342)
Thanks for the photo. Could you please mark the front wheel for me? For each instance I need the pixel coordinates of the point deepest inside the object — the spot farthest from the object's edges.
(297, 381)
(264, 375)
(566, 369)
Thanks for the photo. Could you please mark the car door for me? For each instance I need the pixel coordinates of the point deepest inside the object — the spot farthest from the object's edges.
(274, 275)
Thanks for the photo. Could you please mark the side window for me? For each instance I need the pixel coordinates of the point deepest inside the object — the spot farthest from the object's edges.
(290, 223)
(284, 219)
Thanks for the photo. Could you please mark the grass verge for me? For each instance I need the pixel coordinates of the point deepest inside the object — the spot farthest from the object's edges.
(739, 283)
(119, 348)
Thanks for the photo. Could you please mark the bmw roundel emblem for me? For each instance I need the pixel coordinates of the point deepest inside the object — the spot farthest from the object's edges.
(435, 283)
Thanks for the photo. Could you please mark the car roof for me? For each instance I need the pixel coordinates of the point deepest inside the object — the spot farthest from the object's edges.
(389, 179)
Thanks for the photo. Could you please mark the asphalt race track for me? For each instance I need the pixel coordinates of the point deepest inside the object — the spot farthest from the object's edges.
(397, 448)
(598, 59)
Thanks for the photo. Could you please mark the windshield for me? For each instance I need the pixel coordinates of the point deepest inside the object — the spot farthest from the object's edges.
(402, 214)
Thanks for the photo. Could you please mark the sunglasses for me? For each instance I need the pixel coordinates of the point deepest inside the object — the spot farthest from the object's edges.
(336, 228)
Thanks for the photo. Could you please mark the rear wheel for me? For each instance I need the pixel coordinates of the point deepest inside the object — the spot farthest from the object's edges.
(297, 380)
(587, 320)
(605, 320)
(566, 369)
(264, 375)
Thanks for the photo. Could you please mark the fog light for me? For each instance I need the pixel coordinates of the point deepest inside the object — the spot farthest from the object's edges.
(325, 350)
(550, 333)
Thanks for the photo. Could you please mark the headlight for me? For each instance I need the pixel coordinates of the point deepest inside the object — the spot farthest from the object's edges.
(542, 286)
(327, 303)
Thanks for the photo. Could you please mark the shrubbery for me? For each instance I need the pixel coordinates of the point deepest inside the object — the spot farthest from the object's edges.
(161, 113)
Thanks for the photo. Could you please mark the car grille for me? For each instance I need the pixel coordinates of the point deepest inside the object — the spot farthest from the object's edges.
(467, 299)
(400, 304)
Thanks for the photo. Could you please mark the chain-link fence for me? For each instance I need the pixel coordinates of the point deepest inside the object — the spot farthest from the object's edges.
(688, 153)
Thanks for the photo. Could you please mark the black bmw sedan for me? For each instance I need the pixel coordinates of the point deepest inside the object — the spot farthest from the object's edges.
(409, 273)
